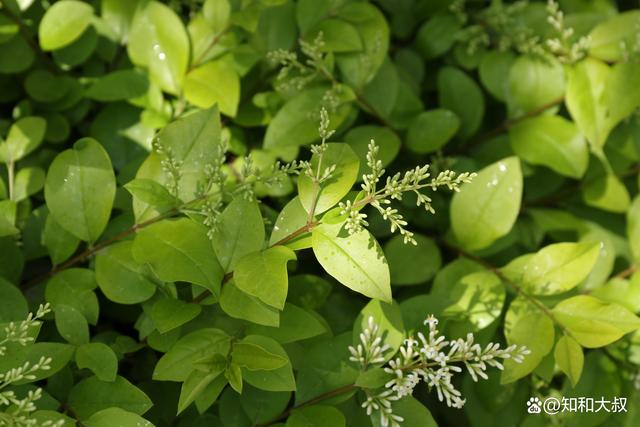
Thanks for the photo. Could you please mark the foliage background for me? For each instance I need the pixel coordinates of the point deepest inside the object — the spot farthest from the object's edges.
(540, 249)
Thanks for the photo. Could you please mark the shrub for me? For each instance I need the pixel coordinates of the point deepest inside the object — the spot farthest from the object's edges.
(319, 212)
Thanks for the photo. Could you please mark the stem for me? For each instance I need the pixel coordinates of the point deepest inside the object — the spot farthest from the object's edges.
(26, 35)
(328, 395)
(626, 273)
(210, 46)
(10, 173)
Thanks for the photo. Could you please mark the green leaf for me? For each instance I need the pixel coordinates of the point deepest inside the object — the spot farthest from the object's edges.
(280, 379)
(460, 94)
(604, 190)
(240, 305)
(115, 416)
(330, 192)
(151, 192)
(292, 218)
(59, 353)
(263, 406)
(240, 231)
(337, 35)
(63, 22)
(28, 181)
(609, 39)
(118, 16)
(599, 97)
(210, 393)
(264, 275)
(487, 208)
(74, 287)
(16, 56)
(551, 141)
(217, 13)
(559, 267)
(233, 374)
(533, 84)
(177, 363)
(59, 242)
(120, 278)
(186, 244)
(526, 325)
(216, 82)
(414, 413)
(373, 378)
(316, 416)
(620, 291)
(387, 140)
(356, 260)
(437, 35)
(194, 385)
(44, 86)
(169, 313)
(13, 306)
(296, 324)
(569, 358)
(594, 323)
(118, 85)
(25, 135)
(494, 72)
(431, 130)
(412, 264)
(92, 395)
(255, 358)
(71, 324)
(8, 210)
(100, 358)
(291, 126)
(633, 228)
(388, 317)
(80, 189)
(159, 41)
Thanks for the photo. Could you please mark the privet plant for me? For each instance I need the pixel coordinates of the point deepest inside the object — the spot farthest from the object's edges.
(318, 213)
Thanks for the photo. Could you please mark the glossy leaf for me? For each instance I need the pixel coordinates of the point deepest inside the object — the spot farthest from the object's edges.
(63, 23)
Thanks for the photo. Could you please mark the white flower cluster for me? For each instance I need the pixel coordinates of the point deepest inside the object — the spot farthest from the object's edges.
(19, 410)
(561, 46)
(430, 358)
(294, 74)
(395, 187)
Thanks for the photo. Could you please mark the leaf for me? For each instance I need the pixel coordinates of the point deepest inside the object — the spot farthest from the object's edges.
(551, 141)
(255, 358)
(356, 261)
(414, 413)
(63, 22)
(71, 324)
(100, 358)
(603, 189)
(389, 320)
(431, 130)
(316, 416)
(8, 210)
(194, 385)
(263, 406)
(609, 39)
(330, 192)
(159, 41)
(292, 218)
(80, 189)
(28, 181)
(92, 395)
(177, 363)
(387, 141)
(59, 242)
(559, 267)
(599, 97)
(74, 287)
(217, 13)
(337, 35)
(569, 358)
(494, 72)
(25, 135)
(169, 313)
(264, 275)
(118, 85)
(460, 94)
(59, 353)
(216, 82)
(13, 306)
(296, 324)
(151, 192)
(533, 84)
(594, 323)
(280, 379)
(633, 228)
(233, 374)
(373, 378)
(240, 305)
(412, 264)
(116, 416)
(118, 16)
(487, 208)
(526, 325)
(185, 243)
(78, 51)
(240, 231)
(436, 36)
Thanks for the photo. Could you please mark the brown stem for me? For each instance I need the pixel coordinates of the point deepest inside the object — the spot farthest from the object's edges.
(328, 395)
(626, 273)
(26, 35)
(214, 41)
